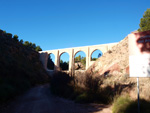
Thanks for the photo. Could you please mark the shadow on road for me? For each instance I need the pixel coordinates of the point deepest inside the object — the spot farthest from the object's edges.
(40, 100)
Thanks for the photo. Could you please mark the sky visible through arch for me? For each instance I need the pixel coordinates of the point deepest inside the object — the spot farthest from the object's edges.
(65, 56)
(57, 24)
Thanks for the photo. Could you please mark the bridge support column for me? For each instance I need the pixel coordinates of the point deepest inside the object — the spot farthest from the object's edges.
(87, 58)
(44, 58)
(71, 59)
(71, 63)
(57, 61)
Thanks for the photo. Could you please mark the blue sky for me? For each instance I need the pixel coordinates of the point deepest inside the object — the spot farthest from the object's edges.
(55, 24)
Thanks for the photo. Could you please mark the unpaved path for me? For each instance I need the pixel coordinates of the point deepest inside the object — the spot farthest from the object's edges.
(40, 100)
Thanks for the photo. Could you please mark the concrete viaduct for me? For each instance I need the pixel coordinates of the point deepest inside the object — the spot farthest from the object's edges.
(88, 50)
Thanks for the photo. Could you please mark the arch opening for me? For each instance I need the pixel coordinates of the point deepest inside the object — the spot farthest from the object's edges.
(96, 54)
(51, 61)
(80, 60)
(64, 61)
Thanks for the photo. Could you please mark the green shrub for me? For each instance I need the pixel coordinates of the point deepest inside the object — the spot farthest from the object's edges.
(1, 31)
(76, 92)
(126, 105)
(92, 83)
(9, 35)
(120, 104)
(21, 41)
(84, 98)
(98, 93)
(4, 32)
(105, 95)
(38, 48)
(15, 37)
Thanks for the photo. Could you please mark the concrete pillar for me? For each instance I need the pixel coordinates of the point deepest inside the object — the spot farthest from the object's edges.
(87, 57)
(44, 58)
(71, 59)
(72, 65)
(90, 52)
(57, 60)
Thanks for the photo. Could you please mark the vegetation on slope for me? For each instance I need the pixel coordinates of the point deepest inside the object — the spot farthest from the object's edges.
(20, 67)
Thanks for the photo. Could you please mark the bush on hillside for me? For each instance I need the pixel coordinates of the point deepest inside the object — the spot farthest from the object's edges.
(15, 37)
(9, 35)
(92, 83)
(126, 105)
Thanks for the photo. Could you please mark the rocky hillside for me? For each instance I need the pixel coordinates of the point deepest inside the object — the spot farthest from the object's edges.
(20, 67)
(114, 67)
(113, 62)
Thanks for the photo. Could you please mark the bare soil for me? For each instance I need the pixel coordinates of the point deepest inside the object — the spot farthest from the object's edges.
(40, 100)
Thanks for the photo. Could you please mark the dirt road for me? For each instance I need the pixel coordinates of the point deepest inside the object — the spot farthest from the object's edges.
(40, 100)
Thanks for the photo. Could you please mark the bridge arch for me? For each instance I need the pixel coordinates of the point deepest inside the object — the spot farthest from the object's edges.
(62, 53)
(80, 50)
(64, 62)
(85, 50)
(80, 60)
(51, 61)
(96, 52)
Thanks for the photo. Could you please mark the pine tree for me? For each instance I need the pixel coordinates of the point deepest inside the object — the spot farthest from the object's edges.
(145, 21)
